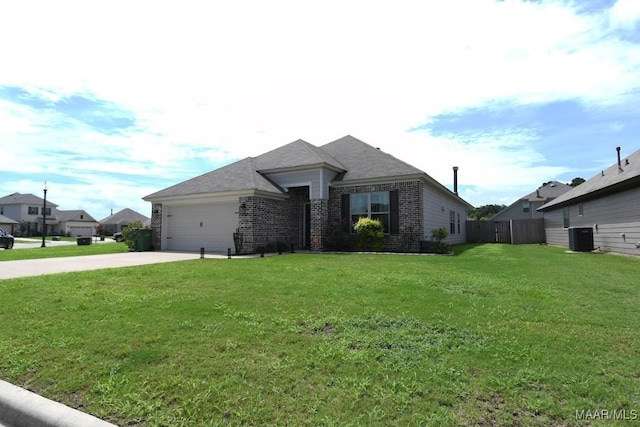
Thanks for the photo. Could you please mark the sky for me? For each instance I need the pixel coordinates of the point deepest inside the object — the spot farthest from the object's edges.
(111, 101)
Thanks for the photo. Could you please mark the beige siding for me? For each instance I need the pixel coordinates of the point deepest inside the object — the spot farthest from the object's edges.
(515, 211)
(610, 217)
(436, 207)
(619, 238)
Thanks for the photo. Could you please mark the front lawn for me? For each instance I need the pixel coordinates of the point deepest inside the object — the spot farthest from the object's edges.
(52, 251)
(496, 335)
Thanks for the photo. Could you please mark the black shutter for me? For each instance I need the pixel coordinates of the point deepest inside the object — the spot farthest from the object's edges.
(394, 212)
(345, 217)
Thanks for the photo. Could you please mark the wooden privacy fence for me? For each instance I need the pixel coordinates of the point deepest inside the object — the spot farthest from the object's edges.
(515, 231)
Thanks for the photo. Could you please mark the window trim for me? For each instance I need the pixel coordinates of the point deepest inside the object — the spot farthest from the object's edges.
(394, 211)
(452, 222)
(369, 212)
(566, 217)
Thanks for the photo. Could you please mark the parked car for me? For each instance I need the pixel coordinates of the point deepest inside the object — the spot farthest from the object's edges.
(118, 236)
(6, 239)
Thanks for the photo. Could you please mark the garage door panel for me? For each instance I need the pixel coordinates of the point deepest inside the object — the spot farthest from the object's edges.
(190, 228)
(81, 231)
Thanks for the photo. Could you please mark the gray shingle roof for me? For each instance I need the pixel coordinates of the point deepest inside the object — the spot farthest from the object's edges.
(548, 191)
(75, 215)
(7, 220)
(238, 176)
(296, 154)
(352, 158)
(610, 180)
(124, 216)
(362, 161)
(24, 199)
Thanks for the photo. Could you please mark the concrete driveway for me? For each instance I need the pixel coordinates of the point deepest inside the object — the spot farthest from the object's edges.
(37, 267)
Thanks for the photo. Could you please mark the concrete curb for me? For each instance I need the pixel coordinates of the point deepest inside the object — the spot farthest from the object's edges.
(22, 408)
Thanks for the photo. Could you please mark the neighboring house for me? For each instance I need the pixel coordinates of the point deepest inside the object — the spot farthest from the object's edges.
(8, 224)
(29, 209)
(526, 207)
(118, 221)
(609, 203)
(76, 223)
(296, 193)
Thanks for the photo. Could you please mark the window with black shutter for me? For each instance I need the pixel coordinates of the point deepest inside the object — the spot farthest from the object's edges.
(394, 212)
(345, 213)
(382, 206)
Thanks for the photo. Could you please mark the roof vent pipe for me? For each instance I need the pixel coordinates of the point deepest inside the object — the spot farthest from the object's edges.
(619, 161)
(455, 180)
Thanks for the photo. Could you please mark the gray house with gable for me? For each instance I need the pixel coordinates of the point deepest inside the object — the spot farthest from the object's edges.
(28, 210)
(295, 193)
(526, 206)
(609, 203)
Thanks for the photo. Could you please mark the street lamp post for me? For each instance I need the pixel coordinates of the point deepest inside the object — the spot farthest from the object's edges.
(44, 215)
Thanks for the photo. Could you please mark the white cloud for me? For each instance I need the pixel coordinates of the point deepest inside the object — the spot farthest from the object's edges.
(625, 14)
(225, 80)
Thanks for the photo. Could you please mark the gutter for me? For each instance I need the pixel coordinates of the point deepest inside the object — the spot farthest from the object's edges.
(22, 408)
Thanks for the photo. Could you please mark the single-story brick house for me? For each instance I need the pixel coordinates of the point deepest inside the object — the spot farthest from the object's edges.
(296, 193)
(609, 203)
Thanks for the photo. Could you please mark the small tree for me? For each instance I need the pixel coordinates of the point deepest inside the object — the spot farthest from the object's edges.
(576, 181)
(23, 228)
(439, 245)
(128, 233)
(369, 234)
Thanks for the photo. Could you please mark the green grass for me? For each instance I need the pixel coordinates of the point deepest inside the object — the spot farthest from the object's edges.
(62, 251)
(496, 335)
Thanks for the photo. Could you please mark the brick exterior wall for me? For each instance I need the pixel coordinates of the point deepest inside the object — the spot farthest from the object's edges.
(410, 210)
(156, 225)
(319, 222)
(264, 221)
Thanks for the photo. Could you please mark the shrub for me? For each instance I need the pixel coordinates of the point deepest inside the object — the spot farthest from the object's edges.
(439, 245)
(129, 231)
(369, 234)
(23, 229)
(337, 239)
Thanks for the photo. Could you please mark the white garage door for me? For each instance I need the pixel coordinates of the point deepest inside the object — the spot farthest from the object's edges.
(81, 231)
(211, 227)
